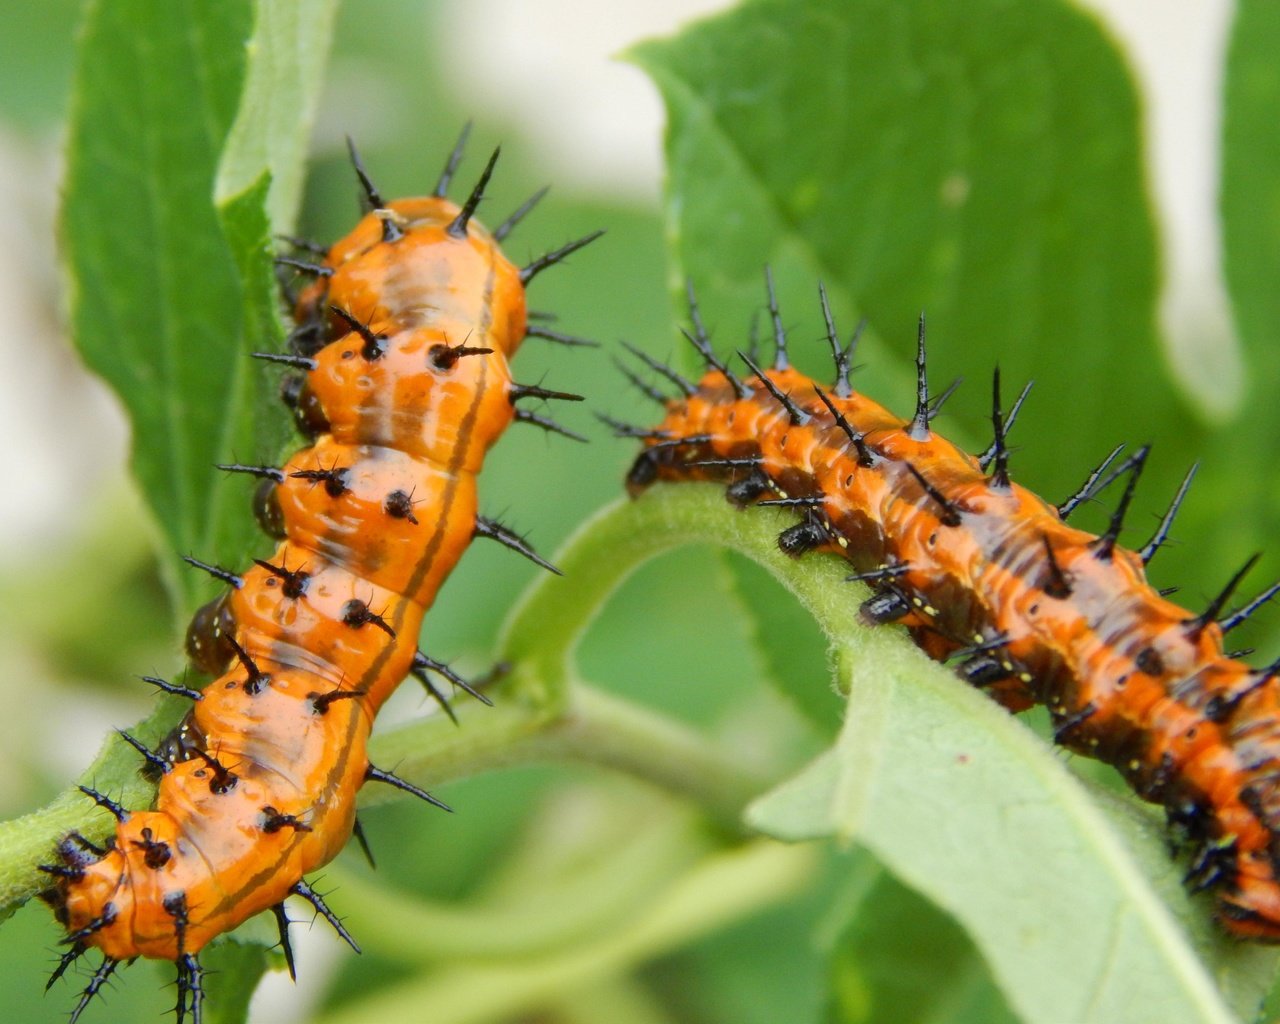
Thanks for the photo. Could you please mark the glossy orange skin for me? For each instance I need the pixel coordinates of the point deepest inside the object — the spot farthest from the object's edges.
(397, 423)
(986, 577)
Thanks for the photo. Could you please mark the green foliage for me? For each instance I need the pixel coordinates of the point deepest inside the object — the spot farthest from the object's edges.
(980, 160)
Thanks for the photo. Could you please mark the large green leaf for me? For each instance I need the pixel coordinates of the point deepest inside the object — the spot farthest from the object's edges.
(1250, 204)
(159, 305)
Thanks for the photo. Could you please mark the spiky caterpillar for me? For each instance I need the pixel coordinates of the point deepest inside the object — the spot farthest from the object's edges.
(403, 340)
(981, 569)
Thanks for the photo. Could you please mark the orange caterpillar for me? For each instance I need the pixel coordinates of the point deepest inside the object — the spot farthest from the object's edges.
(981, 570)
(403, 340)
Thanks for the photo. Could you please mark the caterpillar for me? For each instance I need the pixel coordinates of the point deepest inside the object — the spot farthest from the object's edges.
(399, 379)
(985, 573)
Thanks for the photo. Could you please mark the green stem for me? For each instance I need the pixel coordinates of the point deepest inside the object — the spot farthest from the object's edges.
(545, 713)
(724, 887)
(594, 728)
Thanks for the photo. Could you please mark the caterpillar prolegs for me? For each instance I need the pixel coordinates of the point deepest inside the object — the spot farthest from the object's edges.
(399, 377)
(982, 571)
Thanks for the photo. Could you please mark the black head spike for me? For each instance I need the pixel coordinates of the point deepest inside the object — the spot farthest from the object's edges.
(1064, 725)
(985, 459)
(106, 803)
(156, 853)
(1242, 614)
(547, 424)
(494, 530)
(64, 961)
(373, 774)
(780, 361)
(321, 702)
(938, 401)
(1086, 489)
(224, 780)
(802, 501)
(100, 977)
(257, 679)
(1148, 550)
(274, 821)
(753, 337)
(398, 504)
(919, 428)
(451, 165)
(104, 920)
(866, 458)
(423, 664)
(747, 462)
(357, 830)
(995, 643)
(559, 337)
(532, 270)
(629, 430)
(646, 389)
(701, 341)
(1197, 625)
(154, 761)
(306, 267)
(334, 479)
(1105, 545)
(293, 581)
(507, 226)
(70, 872)
(999, 478)
(518, 391)
(446, 357)
(879, 574)
(679, 380)
(316, 900)
(458, 229)
(798, 416)
(262, 472)
(76, 848)
(282, 924)
(841, 356)
(173, 688)
(305, 363)
(1057, 584)
(950, 514)
(372, 198)
(375, 345)
(190, 988)
(357, 613)
(434, 692)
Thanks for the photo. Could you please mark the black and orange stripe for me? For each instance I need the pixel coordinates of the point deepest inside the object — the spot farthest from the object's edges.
(402, 344)
(1037, 612)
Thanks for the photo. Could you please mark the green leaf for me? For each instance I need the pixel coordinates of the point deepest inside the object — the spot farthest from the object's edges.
(900, 958)
(286, 61)
(155, 299)
(1250, 204)
(159, 304)
(1067, 893)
